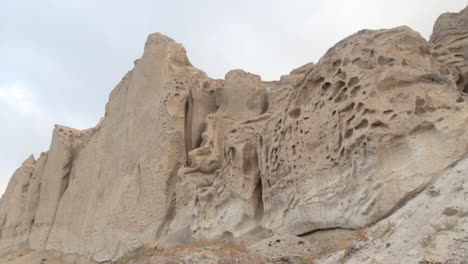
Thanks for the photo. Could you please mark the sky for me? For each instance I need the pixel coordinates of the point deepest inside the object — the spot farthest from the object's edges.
(59, 60)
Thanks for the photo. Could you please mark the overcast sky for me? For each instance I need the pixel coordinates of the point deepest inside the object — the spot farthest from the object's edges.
(59, 59)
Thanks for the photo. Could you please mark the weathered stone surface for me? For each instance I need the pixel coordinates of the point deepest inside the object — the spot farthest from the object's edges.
(420, 232)
(450, 39)
(371, 125)
(180, 157)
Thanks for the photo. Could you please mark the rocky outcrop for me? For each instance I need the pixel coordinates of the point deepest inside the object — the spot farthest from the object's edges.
(180, 157)
(451, 44)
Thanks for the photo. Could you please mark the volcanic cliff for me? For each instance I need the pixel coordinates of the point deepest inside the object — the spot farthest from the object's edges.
(373, 135)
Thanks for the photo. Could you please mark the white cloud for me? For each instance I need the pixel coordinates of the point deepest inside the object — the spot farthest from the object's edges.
(19, 97)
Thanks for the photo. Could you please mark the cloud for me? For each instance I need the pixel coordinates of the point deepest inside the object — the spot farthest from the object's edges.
(20, 98)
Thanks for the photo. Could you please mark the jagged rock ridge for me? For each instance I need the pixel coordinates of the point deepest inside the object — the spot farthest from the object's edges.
(180, 157)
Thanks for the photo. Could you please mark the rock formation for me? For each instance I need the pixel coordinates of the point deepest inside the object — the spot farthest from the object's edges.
(180, 157)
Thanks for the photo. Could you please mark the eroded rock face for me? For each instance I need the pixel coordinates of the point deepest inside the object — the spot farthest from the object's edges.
(371, 125)
(451, 44)
(182, 157)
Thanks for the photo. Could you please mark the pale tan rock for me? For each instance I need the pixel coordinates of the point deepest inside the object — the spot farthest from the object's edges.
(18, 206)
(451, 45)
(180, 157)
(420, 231)
(46, 257)
(371, 125)
(124, 177)
(283, 248)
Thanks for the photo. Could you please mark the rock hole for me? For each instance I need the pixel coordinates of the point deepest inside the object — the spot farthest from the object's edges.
(359, 107)
(424, 126)
(341, 96)
(259, 211)
(348, 108)
(389, 111)
(384, 61)
(368, 111)
(348, 133)
(353, 81)
(25, 187)
(379, 123)
(460, 82)
(295, 113)
(325, 86)
(419, 105)
(365, 65)
(346, 62)
(340, 74)
(350, 119)
(336, 63)
(363, 124)
(337, 86)
(355, 90)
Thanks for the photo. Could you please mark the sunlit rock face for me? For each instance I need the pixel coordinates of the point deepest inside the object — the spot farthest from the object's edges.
(179, 156)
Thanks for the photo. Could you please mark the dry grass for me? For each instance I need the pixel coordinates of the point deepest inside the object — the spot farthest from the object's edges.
(433, 193)
(136, 254)
(223, 253)
(227, 253)
(428, 240)
(457, 187)
(446, 226)
(462, 213)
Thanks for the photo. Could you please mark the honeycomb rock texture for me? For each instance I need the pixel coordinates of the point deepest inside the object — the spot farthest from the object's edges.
(181, 157)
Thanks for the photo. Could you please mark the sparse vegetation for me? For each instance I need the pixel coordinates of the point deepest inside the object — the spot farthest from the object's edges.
(136, 254)
(428, 240)
(425, 261)
(462, 213)
(386, 230)
(433, 192)
(449, 211)
(310, 259)
(210, 251)
(446, 226)
(457, 187)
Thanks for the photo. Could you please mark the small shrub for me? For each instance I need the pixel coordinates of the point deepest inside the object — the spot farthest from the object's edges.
(310, 259)
(386, 229)
(135, 254)
(428, 240)
(425, 261)
(457, 187)
(462, 213)
(449, 211)
(447, 226)
(433, 192)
